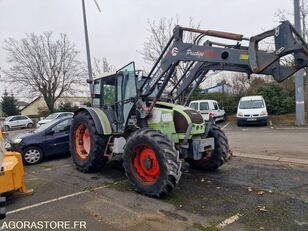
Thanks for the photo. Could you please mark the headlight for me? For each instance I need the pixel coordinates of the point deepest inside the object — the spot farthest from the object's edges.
(263, 113)
(7, 145)
(240, 114)
(17, 141)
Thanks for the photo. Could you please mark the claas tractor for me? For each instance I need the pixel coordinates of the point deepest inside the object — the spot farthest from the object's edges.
(140, 117)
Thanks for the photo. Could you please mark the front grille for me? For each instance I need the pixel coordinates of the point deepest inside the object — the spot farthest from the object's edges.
(180, 122)
(195, 117)
(254, 115)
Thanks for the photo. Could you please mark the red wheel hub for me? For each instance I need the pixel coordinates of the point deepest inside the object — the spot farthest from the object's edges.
(146, 164)
(82, 141)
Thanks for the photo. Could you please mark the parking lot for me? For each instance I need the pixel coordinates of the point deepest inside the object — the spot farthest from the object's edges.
(245, 194)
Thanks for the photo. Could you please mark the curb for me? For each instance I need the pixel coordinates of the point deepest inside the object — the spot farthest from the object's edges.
(273, 158)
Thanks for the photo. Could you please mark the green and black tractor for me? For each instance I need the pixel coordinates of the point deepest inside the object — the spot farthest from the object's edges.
(139, 118)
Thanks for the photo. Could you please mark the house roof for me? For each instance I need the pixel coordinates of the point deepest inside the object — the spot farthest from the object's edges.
(217, 85)
(29, 104)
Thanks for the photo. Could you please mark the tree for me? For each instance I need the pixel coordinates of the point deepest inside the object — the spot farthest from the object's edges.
(67, 107)
(45, 66)
(101, 67)
(277, 99)
(9, 104)
(159, 34)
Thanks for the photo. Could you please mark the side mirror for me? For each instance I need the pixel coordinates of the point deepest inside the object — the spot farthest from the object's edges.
(50, 133)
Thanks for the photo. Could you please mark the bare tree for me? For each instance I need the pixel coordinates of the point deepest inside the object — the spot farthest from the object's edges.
(101, 67)
(44, 66)
(159, 34)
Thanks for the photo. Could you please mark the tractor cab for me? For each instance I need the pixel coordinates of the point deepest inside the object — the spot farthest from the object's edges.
(116, 94)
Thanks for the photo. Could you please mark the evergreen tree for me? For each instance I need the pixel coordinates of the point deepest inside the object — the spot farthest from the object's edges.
(9, 104)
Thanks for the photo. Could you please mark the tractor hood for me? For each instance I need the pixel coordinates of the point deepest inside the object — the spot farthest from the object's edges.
(182, 116)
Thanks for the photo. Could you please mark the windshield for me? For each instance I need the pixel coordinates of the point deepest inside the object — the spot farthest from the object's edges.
(52, 116)
(8, 118)
(194, 106)
(251, 104)
(45, 126)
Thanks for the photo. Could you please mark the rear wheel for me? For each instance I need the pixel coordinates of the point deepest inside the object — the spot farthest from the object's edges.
(151, 163)
(86, 145)
(218, 156)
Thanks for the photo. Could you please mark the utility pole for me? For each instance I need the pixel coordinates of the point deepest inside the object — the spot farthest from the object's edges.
(299, 76)
(90, 79)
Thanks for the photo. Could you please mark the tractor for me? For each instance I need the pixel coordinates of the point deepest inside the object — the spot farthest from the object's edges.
(139, 118)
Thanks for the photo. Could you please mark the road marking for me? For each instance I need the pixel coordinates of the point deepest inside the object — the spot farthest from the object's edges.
(229, 221)
(59, 198)
(225, 126)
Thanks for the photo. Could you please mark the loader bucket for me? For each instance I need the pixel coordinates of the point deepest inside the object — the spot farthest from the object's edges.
(12, 173)
(11, 170)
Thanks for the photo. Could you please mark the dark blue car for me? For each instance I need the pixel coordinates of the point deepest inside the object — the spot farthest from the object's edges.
(50, 139)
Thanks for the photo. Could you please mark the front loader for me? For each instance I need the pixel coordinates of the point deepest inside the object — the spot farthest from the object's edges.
(130, 120)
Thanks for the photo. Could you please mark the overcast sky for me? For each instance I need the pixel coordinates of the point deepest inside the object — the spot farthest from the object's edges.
(120, 30)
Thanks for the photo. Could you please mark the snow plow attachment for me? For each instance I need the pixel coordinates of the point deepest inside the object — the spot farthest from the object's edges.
(11, 174)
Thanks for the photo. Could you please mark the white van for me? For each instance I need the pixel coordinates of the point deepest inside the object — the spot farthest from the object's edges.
(252, 109)
(208, 108)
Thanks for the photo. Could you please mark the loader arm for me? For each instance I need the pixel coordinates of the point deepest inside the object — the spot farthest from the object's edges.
(219, 56)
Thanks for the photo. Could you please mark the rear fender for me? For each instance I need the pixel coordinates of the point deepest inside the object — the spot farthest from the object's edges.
(101, 121)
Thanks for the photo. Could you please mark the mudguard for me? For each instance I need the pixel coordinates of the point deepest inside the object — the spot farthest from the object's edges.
(100, 119)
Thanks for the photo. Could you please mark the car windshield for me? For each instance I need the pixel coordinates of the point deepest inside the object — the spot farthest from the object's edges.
(52, 116)
(194, 106)
(8, 118)
(251, 104)
(45, 126)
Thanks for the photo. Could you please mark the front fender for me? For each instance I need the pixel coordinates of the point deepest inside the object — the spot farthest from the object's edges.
(101, 121)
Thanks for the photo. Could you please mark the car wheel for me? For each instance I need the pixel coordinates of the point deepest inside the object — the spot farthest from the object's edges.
(6, 128)
(30, 125)
(32, 155)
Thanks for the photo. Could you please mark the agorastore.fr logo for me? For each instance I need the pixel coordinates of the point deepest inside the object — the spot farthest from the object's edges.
(43, 225)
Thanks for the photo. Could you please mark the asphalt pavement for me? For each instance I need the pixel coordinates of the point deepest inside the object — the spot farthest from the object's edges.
(244, 194)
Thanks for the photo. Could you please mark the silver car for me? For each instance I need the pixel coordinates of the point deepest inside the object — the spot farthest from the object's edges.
(53, 117)
(18, 121)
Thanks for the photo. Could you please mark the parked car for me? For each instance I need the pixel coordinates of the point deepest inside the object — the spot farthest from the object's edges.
(53, 117)
(209, 109)
(252, 110)
(17, 121)
(50, 139)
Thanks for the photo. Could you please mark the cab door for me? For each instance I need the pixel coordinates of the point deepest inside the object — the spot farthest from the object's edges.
(126, 92)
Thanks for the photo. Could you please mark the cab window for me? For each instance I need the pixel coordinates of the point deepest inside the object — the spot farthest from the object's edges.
(194, 106)
(62, 127)
(204, 106)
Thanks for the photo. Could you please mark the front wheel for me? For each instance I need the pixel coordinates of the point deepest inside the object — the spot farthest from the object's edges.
(32, 155)
(151, 163)
(218, 156)
(87, 147)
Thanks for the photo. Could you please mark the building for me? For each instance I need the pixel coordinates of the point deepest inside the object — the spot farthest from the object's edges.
(21, 104)
(220, 87)
(38, 105)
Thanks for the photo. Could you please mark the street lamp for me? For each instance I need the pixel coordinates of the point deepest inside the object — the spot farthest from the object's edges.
(90, 78)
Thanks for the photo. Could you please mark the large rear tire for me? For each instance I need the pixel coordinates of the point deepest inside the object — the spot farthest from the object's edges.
(87, 147)
(151, 163)
(218, 156)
